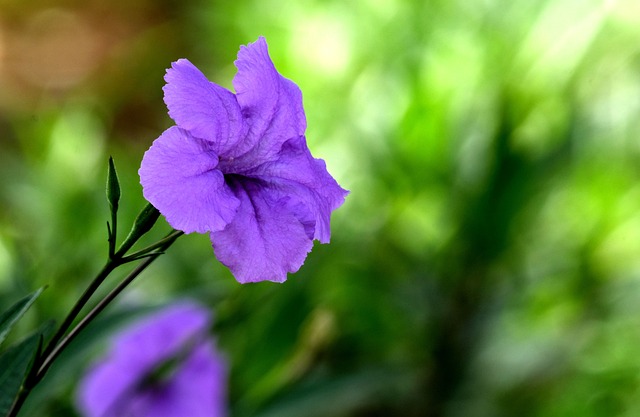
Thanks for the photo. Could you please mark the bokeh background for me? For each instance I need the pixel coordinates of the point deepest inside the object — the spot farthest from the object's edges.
(486, 262)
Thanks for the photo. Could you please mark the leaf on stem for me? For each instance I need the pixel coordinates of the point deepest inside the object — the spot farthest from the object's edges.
(14, 366)
(13, 314)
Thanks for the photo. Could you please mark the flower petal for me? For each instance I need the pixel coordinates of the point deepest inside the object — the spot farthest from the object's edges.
(205, 109)
(102, 388)
(111, 385)
(306, 181)
(265, 240)
(160, 336)
(270, 103)
(179, 177)
(197, 389)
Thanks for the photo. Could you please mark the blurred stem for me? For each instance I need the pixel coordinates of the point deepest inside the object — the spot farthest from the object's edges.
(63, 336)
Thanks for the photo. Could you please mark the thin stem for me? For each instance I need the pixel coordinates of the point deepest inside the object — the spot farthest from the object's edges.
(113, 233)
(34, 377)
(168, 241)
(66, 324)
(159, 245)
(59, 341)
(142, 225)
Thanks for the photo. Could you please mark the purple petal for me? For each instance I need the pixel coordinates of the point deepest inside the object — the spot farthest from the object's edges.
(104, 386)
(197, 389)
(265, 240)
(135, 352)
(270, 103)
(205, 109)
(306, 181)
(179, 177)
(160, 336)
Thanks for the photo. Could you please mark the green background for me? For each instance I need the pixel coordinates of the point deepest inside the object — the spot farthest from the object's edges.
(486, 262)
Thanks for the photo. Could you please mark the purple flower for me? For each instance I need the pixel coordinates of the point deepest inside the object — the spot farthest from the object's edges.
(163, 366)
(237, 166)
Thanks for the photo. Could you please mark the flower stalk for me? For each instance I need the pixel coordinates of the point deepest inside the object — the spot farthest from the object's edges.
(66, 333)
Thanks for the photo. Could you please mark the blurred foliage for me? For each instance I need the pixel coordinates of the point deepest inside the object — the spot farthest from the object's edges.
(486, 262)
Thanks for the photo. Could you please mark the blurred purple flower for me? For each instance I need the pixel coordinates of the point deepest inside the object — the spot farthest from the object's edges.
(238, 167)
(162, 366)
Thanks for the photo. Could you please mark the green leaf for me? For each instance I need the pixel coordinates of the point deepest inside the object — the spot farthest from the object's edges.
(14, 366)
(113, 187)
(343, 395)
(11, 316)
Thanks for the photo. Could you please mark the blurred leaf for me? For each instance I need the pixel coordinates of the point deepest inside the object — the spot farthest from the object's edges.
(342, 395)
(11, 316)
(14, 366)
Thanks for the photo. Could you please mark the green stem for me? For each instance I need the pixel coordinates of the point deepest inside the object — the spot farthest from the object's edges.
(113, 232)
(159, 246)
(66, 324)
(115, 260)
(32, 378)
(168, 241)
(143, 223)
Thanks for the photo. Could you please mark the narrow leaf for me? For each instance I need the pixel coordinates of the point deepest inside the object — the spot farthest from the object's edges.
(11, 316)
(14, 366)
